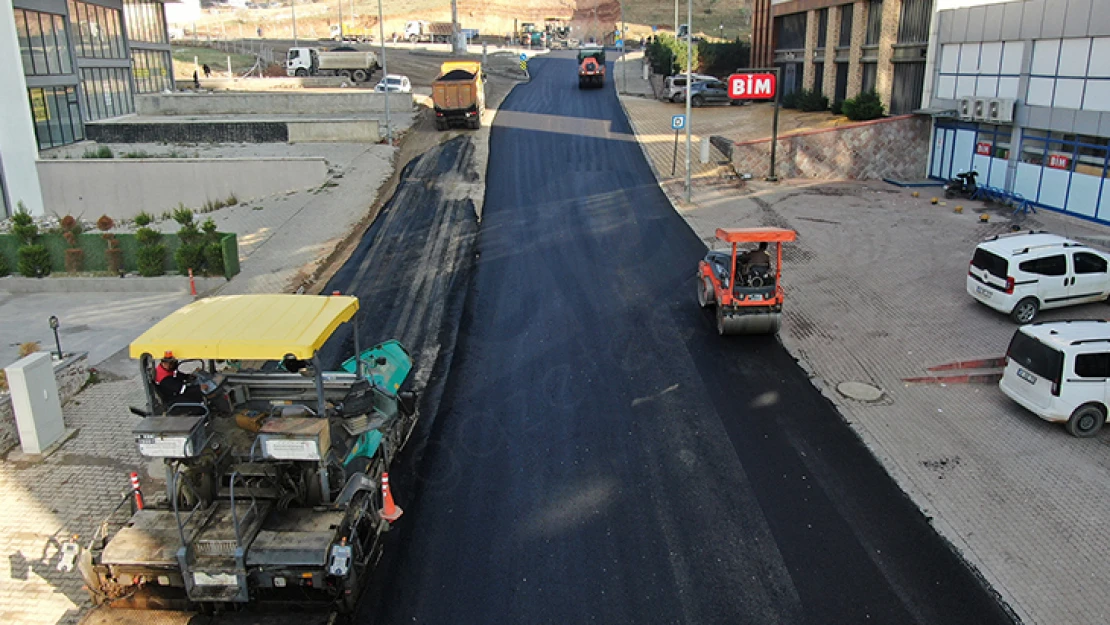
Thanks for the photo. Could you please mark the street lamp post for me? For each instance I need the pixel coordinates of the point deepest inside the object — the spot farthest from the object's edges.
(293, 9)
(455, 47)
(624, 46)
(689, 84)
(341, 20)
(385, 72)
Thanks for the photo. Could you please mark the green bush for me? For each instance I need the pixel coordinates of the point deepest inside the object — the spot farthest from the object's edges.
(34, 261)
(836, 107)
(721, 59)
(144, 219)
(189, 234)
(151, 259)
(789, 100)
(810, 101)
(189, 256)
(213, 259)
(668, 55)
(5, 270)
(182, 215)
(863, 107)
(23, 226)
(147, 236)
(101, 152)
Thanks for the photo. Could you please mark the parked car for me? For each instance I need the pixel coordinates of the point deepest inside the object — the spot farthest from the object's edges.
(1060, 371)
(394, 83)
(708, 92)
(1021, 274)
(674, 87)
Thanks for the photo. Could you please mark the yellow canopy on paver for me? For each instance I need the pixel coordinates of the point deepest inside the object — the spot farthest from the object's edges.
(247, 327)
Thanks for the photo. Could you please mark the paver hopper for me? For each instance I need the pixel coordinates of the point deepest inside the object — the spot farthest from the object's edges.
(752, 302)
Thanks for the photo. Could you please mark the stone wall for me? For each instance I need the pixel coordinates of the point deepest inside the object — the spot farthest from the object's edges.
(71, 374)
(883, 148)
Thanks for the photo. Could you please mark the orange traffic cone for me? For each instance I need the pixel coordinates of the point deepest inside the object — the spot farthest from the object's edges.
(390, 511)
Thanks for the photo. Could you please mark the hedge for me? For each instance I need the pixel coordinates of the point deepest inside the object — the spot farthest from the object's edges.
(94, 246)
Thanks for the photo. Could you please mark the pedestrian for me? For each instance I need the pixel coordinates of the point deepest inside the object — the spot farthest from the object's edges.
(259, 32)
(641, 43)
(207, 71)
(196, 80)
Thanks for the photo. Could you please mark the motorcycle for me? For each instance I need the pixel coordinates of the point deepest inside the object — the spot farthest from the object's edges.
(962, 185)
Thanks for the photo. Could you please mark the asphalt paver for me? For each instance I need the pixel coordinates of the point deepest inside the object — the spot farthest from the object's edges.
(602, 455)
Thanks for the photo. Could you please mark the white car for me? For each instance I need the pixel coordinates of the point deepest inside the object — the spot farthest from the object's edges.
(674, 87)
(1024, 273)
(1060, 371)
(394, 83)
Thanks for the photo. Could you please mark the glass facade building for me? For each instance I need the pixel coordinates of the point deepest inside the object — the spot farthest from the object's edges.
(84, 61)
(1054, 149)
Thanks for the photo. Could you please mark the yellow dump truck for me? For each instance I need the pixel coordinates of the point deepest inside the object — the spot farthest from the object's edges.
(459, 94)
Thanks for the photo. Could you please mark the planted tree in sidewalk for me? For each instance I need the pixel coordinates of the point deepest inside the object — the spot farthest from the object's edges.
(151, 254)
(34, 260)
(75, 256)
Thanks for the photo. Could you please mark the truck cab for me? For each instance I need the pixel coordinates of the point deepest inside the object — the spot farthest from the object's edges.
(302, 62)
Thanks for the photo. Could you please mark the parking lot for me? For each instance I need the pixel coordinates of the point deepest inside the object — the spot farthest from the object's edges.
(876, 294)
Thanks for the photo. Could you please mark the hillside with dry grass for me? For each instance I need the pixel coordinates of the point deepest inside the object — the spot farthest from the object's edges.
(712, 18)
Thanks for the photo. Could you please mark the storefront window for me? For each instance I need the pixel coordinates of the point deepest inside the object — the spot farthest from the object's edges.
(151, 70)
(145, 21)
(56, 115)
(107, 92)
(97, 31)
(43, 44)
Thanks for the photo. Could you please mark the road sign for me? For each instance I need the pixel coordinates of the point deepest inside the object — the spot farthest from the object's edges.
(523, 56)
(524, 65)
(678, 122)
(752, 86)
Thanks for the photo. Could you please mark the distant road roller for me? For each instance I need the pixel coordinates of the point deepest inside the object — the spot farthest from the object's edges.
(752, 302)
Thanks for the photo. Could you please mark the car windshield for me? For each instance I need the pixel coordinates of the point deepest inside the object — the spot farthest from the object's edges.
(1035, 356)
(393, 81)
(993, 263)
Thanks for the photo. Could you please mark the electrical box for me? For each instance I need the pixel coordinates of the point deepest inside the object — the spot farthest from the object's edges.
(979, 109)
(38, 409)
(170, 437)
(965, 108)
(1000, 110)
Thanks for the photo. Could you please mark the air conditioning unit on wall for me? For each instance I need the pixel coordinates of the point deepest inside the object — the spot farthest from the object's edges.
(980, 107)
(1000, 110)
(965, 108)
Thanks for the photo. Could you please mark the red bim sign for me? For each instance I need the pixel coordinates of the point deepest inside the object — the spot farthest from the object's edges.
(751, 86)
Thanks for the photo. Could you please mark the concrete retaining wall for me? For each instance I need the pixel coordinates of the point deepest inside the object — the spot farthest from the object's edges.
(894, 147)
(124, 187)
(175, 131)
(270, 103)
(71, 374)
(267, 84)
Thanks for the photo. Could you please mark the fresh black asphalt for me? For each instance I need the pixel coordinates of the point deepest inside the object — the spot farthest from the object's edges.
(600, 455)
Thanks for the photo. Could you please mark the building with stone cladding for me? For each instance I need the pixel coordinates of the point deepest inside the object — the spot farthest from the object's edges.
(841, 49)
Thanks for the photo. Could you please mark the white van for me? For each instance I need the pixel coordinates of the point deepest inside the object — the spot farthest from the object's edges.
(1060, 371)
(1023, 273)
(674, 87)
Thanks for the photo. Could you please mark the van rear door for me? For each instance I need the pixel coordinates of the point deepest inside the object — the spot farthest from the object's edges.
(989, 269)
(1033, 370)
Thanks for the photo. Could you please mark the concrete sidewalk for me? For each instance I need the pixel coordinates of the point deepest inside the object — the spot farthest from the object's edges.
(875, 294)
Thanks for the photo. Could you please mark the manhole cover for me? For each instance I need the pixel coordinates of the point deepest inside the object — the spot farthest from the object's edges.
(860, 391)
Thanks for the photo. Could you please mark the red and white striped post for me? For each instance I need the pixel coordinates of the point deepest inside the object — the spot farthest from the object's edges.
(136, 491)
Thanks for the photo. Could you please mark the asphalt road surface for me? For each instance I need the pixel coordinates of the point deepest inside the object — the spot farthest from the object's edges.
(601, 455)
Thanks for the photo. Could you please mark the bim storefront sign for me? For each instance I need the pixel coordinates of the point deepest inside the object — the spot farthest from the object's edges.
(759, 86)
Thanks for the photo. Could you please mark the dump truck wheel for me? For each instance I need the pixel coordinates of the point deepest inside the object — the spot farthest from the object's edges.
(441, 125)
(302, 72)
(360, 75)
(345, 73)
(474, 123)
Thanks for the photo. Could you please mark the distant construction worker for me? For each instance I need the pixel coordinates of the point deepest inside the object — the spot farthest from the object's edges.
(207, 71)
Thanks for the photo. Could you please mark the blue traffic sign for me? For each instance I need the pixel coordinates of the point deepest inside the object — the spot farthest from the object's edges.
(678, 122)
(523, 56)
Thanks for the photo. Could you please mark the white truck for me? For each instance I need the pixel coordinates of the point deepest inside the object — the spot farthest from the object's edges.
(432, 32)
(358, 65)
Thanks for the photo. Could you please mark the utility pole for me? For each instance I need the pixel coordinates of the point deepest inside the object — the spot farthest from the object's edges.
(456, 45)
(689, 84)
(340, 20)
(676, 18)
(293, 8)
(385, 72)
(624, 59)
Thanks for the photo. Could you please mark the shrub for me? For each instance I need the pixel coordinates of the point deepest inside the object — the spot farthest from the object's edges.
(723, 58)
(101, 152)
(23, 226)
(668, 55)
(810, 101)
(70, 224)
(144, 219)
(189, 256)
(231, 200)
(147, 236)
(34, 261)
(4, 268)
(789, 100)
(863, 107)
(209, 228)
(189, 234)
(214, 259)
(182, 215)
(105, 223)
(151, 260)
(836, 107)
(28, 348)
